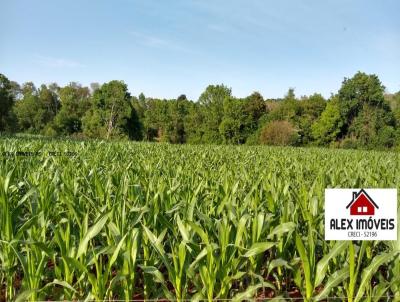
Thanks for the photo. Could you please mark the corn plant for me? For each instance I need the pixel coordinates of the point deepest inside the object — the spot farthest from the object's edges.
(124, 220)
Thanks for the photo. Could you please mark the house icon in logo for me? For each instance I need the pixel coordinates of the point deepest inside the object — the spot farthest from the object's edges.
(362, 204)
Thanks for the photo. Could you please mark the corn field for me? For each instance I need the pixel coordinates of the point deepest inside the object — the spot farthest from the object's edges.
(123, 220)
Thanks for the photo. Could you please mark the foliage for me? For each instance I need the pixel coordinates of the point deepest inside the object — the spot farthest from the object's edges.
(110, 111)
(75, 102)
(364, 110)
(31, 111)
(6, 103)
(312, 108)
(212, 102)
(373, 127)
(360, 115)
(329, 126)
(234, 123)
(279, 133)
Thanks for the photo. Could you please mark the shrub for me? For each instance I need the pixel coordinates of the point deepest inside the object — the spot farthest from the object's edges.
(280, 133)
(350, 142)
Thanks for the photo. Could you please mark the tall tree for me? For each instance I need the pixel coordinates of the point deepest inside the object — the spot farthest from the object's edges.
(75, 101)
(394, 102)
(110, 112)
(212, 105)
(329, 125)
(359, 90)
(6, 104)
(155, 120)
(364, 109)
(255, 107)
(30, 110)
(235, 123)
(177, 111)
(50, 101)
(194, 123)
(359, 115)
(311, 109)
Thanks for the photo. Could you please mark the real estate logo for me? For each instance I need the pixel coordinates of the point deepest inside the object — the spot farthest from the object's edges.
(362, 204)
(361, 214)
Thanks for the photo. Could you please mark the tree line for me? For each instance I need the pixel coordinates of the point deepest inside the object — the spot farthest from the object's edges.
(359, 115)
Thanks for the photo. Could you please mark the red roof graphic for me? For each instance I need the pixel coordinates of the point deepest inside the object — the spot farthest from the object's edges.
(362, 204)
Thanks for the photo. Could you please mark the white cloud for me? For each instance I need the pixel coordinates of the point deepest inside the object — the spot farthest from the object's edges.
(157, 42)
(57, 62)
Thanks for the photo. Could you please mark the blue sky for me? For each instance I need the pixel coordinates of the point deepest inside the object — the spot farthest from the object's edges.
(166, 48)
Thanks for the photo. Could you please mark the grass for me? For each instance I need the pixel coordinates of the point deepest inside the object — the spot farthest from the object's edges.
(125, 220)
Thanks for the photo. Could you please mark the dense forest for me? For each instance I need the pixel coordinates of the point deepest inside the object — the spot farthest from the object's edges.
(359, 115)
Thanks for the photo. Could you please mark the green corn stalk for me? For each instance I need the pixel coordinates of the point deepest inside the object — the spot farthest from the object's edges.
(315, 274)
(229, 216)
